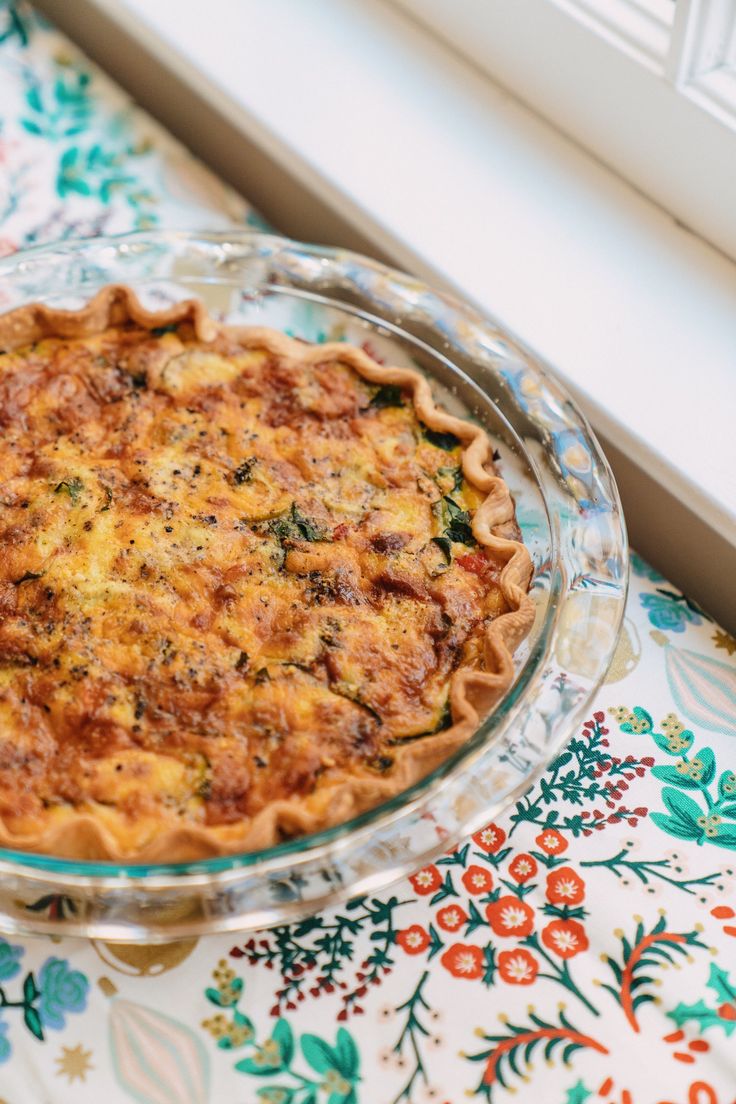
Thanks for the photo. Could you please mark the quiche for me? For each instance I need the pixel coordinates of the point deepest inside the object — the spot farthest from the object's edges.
(249, 586)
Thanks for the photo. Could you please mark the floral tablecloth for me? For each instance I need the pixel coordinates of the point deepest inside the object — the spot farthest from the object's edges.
(580, 949)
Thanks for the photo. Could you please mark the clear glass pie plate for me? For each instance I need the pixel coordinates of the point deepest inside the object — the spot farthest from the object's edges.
(567, 506)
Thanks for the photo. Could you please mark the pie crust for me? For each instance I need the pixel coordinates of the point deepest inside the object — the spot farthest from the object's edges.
(336, 794)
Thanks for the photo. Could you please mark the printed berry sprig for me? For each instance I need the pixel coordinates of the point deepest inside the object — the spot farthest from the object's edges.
(585, 773)
(519, 1043)
(704, 820)
(640, 957)
(314, 956)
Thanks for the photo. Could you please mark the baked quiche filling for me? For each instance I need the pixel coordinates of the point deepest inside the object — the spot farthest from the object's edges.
(231, 575)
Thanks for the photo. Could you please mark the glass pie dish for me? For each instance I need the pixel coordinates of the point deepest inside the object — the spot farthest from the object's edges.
(567, 507)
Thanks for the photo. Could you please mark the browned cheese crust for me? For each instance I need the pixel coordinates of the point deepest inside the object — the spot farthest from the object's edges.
(249, 586)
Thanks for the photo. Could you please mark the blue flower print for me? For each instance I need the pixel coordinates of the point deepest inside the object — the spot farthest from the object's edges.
(62, 990)
(9, 960)
(666, 611)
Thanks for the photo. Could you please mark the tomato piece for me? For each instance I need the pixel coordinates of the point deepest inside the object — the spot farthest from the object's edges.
(474, 562)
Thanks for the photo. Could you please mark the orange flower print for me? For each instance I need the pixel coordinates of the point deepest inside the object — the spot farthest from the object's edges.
(426, 880)
(565, 887)
(565, 938)
(463, 960)
(551, 841)
(518, 967)
(477, 879)
(413, 940)
(523, 868)
(451, 918)
(490, 839)
(510, 916)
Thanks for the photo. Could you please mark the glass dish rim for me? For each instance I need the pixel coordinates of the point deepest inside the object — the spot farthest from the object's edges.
(329, 841)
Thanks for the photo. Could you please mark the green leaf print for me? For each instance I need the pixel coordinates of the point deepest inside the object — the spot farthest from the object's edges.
(685, 812)
(319, 1054)
(347, 1054)
(703, 1016)
(688, 820)
(283, 1035)
(61, 108)
(722, 986)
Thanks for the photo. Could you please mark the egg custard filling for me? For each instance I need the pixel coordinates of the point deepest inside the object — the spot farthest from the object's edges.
(249, 586)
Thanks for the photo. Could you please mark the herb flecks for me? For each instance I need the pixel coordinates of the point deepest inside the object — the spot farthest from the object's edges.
(28, 577)
(459, 528)
(73, 487)
(456, 525)
(244, 471)
(445, 441)
(296, 526)
(455, 475)
(388, 395)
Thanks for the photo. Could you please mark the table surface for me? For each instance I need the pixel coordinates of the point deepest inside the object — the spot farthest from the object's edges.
(580, 949)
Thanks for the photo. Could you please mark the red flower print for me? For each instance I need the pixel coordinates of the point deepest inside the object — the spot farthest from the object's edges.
(413, 940)
(426, 880)
(565, 938)
(551, 841)
(463, 960)
(565, 887)
(518, 967)
(510, 916)
(477, 879)
(523, 868)
(451, 918)
(490, 839)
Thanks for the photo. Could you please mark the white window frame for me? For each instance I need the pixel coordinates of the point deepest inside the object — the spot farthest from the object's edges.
(659, 108)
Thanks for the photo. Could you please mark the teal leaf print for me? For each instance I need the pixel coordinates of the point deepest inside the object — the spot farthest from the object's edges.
(278, 1094)
(319, 1054)
(32, 1020)
(723, 836)
(283, 1035)
(694, 775)
(60, 109)
(684, 820)
(703, 1016)
(727, 785)
(578, 1094)
(719, 982)
(9, 960)
(724, 1016)
(258, 1065)
(348, 1058)
(688, 819)
(16, 25)
(5, 1048)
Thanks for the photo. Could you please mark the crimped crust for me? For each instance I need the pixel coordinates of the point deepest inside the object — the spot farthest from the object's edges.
(474, 691)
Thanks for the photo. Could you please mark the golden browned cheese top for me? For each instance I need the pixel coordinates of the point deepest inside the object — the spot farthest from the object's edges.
(225, 575)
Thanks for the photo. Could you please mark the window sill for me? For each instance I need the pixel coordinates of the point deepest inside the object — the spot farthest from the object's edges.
(345, 121)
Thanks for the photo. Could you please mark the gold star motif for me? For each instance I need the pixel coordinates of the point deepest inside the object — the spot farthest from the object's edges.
(74, 1062)
(725, 640)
